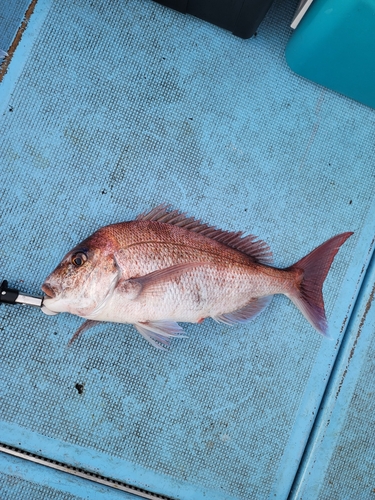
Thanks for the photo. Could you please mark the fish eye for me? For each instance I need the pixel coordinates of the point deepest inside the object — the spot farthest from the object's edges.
(78, 259)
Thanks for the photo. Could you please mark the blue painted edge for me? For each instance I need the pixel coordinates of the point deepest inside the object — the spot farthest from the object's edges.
(100, 463)
(339, 391)
(19, 470)
(306, 422)
(23, 50)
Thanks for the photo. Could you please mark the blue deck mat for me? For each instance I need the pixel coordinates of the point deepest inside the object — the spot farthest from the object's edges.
(11, 16)
(21, 479)
(340, 458)
(108, 109)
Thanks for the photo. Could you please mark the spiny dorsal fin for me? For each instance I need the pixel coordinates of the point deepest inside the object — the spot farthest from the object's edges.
(249, 245)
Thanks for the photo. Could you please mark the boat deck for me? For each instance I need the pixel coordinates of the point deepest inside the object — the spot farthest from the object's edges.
(108, 109)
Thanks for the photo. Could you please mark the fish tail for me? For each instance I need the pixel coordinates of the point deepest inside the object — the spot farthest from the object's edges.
(307, 295)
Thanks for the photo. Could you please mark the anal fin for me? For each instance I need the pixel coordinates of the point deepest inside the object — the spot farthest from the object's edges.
(246, 313)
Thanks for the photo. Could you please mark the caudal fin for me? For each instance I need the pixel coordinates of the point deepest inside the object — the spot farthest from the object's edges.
(315, 266)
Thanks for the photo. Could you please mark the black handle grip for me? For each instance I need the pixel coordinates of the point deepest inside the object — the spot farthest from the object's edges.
(8, 295)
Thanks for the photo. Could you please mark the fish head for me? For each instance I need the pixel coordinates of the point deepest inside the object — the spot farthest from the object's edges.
(85, 278)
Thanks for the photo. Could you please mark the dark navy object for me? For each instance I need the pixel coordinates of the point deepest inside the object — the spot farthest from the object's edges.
(241, 17)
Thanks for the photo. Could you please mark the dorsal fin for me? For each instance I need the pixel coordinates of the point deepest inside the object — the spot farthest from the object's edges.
(249, 245)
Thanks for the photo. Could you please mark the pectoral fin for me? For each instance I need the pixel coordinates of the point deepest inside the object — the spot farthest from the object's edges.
(153, 282)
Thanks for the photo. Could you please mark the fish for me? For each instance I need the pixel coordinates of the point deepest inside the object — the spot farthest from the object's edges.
(164, 268)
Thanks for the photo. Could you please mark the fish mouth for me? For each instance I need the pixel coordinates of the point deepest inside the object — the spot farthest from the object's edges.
(48, 290)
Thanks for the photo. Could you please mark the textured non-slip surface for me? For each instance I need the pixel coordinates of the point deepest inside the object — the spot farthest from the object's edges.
(11, 16)
(21, 479)
(351, 473)
(340, 458)
(121, 106)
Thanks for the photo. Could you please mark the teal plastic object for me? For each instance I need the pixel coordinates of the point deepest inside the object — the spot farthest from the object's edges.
(334, 45)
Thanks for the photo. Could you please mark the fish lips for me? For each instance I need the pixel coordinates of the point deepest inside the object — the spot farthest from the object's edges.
(48, 290)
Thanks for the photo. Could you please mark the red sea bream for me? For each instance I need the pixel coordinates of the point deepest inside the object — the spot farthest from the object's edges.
(164, 268)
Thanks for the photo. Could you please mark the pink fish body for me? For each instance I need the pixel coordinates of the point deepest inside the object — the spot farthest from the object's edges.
(164, 268)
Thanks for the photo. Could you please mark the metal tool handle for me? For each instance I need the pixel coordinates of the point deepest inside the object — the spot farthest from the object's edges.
(13, 296)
